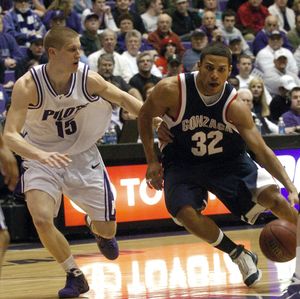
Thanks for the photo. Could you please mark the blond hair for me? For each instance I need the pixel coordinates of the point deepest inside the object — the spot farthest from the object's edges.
(58, 36)
(262, 100)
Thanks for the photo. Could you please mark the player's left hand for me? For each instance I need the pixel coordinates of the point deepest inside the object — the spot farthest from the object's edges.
(9, 168)
(154, 176)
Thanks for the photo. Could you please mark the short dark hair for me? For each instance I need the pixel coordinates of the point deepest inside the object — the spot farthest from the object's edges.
(243, 56)
(228, 13)
(297, 88)
(217, 49)
(125, 16)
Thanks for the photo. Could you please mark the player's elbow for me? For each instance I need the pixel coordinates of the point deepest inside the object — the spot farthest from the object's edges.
(8, 138)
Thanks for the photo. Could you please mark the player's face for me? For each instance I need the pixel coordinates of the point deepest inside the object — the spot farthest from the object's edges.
(213, 73)
(69, 55)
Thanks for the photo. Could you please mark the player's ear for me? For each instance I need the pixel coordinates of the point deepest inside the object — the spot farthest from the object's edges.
(51, 51)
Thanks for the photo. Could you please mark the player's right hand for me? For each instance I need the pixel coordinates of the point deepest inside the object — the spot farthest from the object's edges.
(154, 176)
(54, 159)
(9, 168)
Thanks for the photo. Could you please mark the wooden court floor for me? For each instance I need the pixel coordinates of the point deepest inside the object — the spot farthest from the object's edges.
(175, 266)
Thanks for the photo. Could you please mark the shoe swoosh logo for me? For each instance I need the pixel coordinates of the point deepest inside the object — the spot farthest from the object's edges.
(94, 166)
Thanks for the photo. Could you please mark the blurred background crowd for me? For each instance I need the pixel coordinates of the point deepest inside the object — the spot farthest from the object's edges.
(134, 44)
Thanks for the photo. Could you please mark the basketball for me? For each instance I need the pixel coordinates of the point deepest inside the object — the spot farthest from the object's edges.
(277, 241)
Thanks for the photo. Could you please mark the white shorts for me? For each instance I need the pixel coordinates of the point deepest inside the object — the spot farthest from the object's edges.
(84, 181)
(2, 221)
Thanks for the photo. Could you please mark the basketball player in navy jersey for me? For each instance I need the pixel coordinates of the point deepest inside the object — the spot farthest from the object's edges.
(210, 127)
(61, 109)
(9, 169)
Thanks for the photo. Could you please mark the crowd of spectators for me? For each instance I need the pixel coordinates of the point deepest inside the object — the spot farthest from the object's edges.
(135, 43)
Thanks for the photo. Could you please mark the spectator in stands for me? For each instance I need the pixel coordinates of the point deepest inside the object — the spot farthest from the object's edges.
(108, 39)
(150, 16)
(211, 5)
(296, 7)
(262, 37)
(281, 102)
(105, 69)
(35, 54)
(229, 30)
(294, 34)
(126, 25)
(191, 56)
(279, 69)
(244, 66)
(106, 19)
(81, 5)
(284, 14)
(234, 81)
(10, 53)
(235, 4)
(174, 66)
(267, 127)
(90, 39)
(23, 23)
(168, 6)
(291, 118)
(265, 57)
(38, 7)
(164, 24)
(209, 24)
(251, 18)
(297, 57)
(144, 62)
(260, 105)
(4, 103)
(58, 19)
(67, 8)
(235, 45)
(168, 48)
(133, 41)
(184, 21)
(122, 6)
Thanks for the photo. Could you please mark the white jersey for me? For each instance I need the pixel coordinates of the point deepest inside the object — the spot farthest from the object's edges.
(68, 123)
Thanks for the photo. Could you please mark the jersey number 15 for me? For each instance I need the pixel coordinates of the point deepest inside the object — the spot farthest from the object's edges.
(67, 127)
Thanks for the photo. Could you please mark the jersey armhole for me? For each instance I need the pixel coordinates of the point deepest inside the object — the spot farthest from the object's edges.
(85, 72)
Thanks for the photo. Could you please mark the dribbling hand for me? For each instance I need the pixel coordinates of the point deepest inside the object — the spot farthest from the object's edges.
(154, 176)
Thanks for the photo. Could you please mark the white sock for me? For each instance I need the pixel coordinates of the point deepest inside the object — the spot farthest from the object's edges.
(69, 264)
(297, 270)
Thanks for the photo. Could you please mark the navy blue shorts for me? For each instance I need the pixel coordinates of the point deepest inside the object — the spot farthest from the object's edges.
(233, 181)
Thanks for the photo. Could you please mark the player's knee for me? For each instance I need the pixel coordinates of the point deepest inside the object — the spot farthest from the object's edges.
(186, 214)
(42, 223)
(275, 202)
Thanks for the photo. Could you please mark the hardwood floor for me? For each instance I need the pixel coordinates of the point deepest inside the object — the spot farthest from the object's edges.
(178, 266)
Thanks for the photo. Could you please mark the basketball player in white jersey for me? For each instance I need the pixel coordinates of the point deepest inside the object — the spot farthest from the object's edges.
(9, 169)
(61, 109)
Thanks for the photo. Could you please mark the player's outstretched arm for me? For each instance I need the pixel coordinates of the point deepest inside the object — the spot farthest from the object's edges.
(241, 117)
(96, 85)
(23, 94)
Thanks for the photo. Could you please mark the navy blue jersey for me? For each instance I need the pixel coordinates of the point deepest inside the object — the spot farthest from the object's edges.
(202, 133)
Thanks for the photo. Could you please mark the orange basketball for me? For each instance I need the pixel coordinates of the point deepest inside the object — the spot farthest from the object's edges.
(278, 240)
